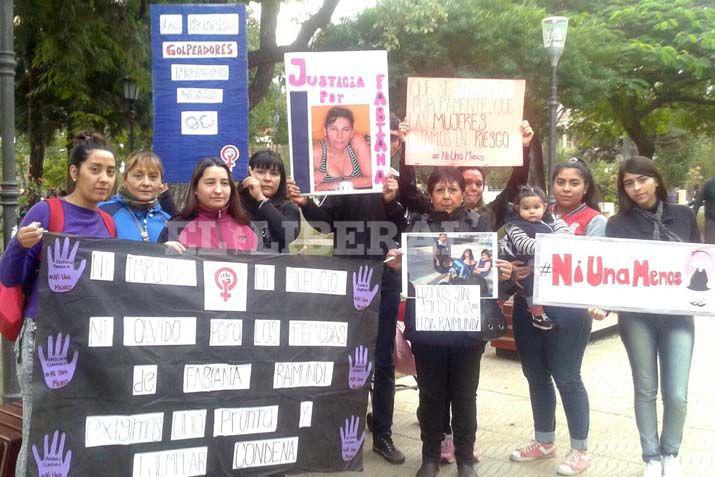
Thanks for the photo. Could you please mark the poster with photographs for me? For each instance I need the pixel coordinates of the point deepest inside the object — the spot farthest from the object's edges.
(450, 258)
(338, 121)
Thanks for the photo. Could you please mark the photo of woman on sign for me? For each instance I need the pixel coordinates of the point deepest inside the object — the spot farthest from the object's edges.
(341, 158)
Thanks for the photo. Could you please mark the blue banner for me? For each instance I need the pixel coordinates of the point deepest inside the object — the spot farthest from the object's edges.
(200, 83)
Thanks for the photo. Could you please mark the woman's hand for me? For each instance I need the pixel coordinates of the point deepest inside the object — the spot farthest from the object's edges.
(393, 259)
(527, 134)
(404, 129)
(293, 193)
(389, 189)
(253, 186)
(30, 234)
(176, 247)
(521, 271)
(600, 314)
(505, 269)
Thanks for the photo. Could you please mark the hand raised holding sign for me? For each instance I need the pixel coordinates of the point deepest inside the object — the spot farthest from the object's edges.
(349, 442)
(57, 370)
(362, 295)
(360, 368)
(62, 275)
(52, 464)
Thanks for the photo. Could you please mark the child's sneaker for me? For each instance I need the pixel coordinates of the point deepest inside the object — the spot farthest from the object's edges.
(476, 455)
(446, 454)
(533, 451)
(671, 467)
(543, 322)
(575, 462)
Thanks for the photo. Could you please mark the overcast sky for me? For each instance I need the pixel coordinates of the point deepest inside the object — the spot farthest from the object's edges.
(294, 12)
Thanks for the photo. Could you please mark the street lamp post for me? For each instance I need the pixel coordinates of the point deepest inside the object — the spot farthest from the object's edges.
(554, 31)
(9, 192)
(130, 91)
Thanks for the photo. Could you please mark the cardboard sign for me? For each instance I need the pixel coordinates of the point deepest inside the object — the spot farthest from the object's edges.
(338, 121)
(158, 378)
(200, 83)
(464, 122)
(621, 274)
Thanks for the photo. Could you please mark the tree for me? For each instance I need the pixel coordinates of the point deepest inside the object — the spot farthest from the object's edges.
(644, 68)
(662, 69)
(70, 59)
(73, 54)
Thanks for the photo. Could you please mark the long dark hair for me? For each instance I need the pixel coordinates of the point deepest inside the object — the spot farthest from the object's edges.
(592, 195)
(191, 209)
(642, 166)
(267, 159)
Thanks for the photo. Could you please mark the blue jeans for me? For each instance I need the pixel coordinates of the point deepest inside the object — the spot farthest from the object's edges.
(461, 268)
(557, 353)
(649, 338)
(24, 354)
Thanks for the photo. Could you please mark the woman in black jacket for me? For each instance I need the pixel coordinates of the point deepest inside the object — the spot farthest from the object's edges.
(448, 361)
(275, 219)
(644, 213)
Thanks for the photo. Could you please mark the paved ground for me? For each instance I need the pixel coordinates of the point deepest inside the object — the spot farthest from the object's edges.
(505, 421)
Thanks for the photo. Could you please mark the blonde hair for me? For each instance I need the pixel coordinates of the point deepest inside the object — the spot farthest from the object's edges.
(143, 158)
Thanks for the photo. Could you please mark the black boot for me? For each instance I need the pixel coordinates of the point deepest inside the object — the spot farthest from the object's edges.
(386, 448)
(466, 470)
(429, 468)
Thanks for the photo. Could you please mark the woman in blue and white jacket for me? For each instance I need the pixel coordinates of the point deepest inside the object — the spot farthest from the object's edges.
(136, 207)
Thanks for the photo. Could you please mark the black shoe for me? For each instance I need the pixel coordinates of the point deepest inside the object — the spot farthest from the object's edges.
(466, 470)
(543, 322)
(386, 448)
(368, 420)
(428, 469)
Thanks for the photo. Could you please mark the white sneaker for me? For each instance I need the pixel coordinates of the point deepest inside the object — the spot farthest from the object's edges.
(671, 467)
(653, 468)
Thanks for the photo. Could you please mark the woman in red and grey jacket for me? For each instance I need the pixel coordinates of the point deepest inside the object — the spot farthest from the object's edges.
(213, 216)
(556, 355)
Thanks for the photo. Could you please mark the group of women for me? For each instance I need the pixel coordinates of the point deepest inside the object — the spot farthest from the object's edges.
(217, 215)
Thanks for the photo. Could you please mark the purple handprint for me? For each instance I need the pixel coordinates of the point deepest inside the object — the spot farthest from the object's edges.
(360, 368)
(58, 372)
(350, 444)
(61, 273)
(362, 295)
(52, 465)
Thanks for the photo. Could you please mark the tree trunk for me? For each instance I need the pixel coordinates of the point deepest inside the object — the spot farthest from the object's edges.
(645, 145)
(630, 116)
(35, 132)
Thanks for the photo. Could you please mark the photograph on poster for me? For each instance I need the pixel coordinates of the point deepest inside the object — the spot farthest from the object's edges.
(338, 121)
(452, 258)
(341, 147)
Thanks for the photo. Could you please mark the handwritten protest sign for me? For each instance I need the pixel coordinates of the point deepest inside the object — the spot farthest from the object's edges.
(464, 122)
(199, 76)
(138, 373)
(338, 121)
(621, 274)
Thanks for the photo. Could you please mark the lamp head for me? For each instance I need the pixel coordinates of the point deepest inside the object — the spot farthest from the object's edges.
(554, 31)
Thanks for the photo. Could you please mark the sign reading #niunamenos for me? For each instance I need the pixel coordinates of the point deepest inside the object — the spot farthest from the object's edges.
(623, 274)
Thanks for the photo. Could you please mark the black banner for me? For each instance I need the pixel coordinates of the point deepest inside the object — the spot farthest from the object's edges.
(149, 364)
